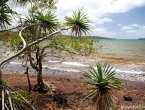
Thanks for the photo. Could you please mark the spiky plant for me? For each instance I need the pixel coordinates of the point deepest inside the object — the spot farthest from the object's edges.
(103, 79)
(5, 15)
(79, 22)
(49, 21)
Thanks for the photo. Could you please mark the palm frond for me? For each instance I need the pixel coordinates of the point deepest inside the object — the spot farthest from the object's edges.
(6, 15)
(79, 23)
(48, 21)
(103, 78)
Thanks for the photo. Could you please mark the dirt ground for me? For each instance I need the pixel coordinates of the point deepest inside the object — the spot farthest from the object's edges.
(72, 93)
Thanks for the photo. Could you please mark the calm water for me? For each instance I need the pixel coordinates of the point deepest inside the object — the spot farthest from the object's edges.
(129, 49)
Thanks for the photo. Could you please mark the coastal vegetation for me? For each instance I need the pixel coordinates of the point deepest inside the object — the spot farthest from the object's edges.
(37, 27)
(40, 34)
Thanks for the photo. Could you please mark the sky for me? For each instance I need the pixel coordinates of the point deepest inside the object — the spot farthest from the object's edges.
(120, 19)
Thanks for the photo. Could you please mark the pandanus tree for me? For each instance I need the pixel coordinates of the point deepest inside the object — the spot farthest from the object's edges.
(103, 80)
(47, 23)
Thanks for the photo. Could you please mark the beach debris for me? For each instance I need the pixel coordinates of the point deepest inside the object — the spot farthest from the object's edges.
(51, 89)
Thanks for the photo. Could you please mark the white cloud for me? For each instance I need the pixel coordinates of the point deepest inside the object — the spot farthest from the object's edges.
(101, 21)
(138, 26)
(126, 28)
(132, 31)
(97, 8)
(104, 32)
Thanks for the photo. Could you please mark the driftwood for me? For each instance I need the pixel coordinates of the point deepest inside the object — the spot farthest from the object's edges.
(9, 102)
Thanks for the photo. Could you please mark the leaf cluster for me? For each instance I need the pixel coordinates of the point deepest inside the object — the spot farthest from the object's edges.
(80, 23)
(6, 14)
(13, 39)
(103, 78)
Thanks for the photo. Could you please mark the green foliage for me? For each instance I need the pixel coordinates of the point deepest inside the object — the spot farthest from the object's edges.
(2, 83)
(5, 14)
(80, 23)
(48, 21)
(24, 94)
(73, 45)
(103, 78)
(13, 39)
(31, 19)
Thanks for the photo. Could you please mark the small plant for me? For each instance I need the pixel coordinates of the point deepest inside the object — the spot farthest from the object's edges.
(2, 83)
(103, 80)
(24, 94)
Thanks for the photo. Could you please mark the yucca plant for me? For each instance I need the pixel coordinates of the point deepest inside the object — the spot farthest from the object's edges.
(103, 79)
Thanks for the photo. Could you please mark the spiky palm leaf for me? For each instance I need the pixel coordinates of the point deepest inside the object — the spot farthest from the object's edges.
(48, 21)
(103, 77)
(22, 2)
(5, 15)
(103, 80)
(79, 23)
(31, 19)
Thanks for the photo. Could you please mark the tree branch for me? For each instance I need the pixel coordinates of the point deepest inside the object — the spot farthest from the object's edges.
(25, 47)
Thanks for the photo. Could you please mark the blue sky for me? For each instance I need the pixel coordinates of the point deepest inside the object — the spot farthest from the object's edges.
(121, 19)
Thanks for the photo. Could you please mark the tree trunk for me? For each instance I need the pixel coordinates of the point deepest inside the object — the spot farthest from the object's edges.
(39, 74)
(27, 72)
(1, 77)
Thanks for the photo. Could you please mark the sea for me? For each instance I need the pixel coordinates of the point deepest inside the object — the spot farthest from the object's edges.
(126, 56)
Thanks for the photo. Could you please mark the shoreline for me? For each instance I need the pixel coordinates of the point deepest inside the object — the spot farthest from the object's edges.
(16, 69)
(125, 69)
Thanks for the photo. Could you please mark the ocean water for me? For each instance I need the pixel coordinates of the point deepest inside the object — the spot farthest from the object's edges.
(128, 49)
(126, 56)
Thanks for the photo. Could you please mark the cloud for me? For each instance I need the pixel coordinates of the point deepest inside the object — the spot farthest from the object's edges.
(104, 32)
(101, 21)
(138, 26)
(98, 8)
(126, 28)
(132, 31)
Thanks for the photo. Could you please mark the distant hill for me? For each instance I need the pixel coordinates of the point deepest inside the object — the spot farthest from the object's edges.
(98, 37)
(95, 37)
(141, 39)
